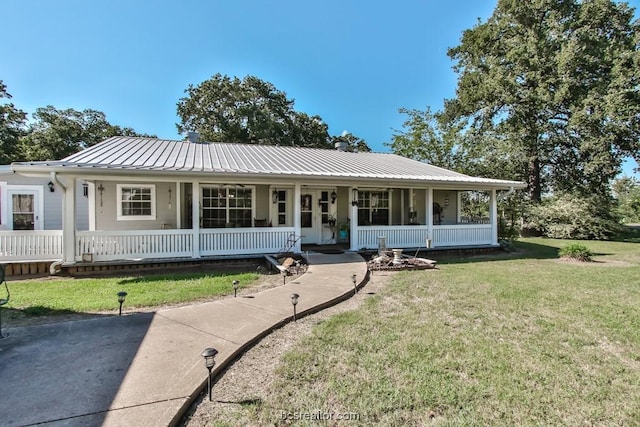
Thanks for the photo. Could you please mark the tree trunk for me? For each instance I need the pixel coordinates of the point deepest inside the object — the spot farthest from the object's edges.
(534, 179)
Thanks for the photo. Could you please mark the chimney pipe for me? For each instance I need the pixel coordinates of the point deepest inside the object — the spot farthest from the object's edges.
(341, 146)
(193, 137)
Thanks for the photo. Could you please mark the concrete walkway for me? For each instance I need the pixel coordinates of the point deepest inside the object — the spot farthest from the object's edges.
(145, 369)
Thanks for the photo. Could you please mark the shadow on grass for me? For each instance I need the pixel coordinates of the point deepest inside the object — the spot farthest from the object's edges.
(629, 235)
(520, 250)
(244, 403)
(180, 277)
(36, 314)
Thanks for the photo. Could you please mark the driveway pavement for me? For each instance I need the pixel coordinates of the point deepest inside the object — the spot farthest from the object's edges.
(144, 369)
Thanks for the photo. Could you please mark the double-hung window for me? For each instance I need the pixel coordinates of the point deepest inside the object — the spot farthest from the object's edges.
(227, 207)
(373, 208)
(136, 201)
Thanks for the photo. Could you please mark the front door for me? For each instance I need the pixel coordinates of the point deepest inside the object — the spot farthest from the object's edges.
(308, 217)
(317, 213)
(25, 213)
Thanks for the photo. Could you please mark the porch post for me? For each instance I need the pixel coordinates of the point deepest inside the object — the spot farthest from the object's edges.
(402, 206)
(493, 217)
(458, 206)
(91, 195)
(195, 224)
(412, 208)
(429, 209)
(353, 225)
(297, 225)
(69, 222)
(178, 205)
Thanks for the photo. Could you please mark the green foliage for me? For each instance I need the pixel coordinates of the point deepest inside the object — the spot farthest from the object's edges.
(63, 296)
(426, 138)
(354, 143)
(626, 191)
(570, 216)
(56, 134)
(507, 230)
(576, 251)
(479, 343)
(551, 85)
(250, 111)
(474, 204)
(12, 126)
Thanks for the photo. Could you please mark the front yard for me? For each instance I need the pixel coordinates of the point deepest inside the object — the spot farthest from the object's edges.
(518, 339)
(59, 298)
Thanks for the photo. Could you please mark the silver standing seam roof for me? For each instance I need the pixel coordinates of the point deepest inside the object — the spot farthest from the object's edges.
(133, 154)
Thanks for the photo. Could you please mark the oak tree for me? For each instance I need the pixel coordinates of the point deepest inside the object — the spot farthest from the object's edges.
(12, 126)
(249, 111)
(555, 83)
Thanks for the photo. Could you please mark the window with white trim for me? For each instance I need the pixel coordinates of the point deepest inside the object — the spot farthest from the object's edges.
(136, 201)
(227, 207)
(373, 208)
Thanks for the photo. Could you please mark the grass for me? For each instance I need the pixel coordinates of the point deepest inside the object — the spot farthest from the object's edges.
(68, 295)
(514, 339)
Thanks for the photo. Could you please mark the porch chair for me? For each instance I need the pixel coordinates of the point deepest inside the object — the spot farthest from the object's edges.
(259, 222)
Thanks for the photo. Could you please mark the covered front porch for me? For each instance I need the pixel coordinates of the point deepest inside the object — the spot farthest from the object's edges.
(154, 219)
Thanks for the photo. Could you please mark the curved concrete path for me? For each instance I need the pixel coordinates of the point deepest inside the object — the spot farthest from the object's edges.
(145, 369)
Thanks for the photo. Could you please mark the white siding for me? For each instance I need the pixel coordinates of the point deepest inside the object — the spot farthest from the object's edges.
(52, 201)
(106, 208)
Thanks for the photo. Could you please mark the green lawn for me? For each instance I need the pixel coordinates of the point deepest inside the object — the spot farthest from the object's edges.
(69, 295)
(518, 339)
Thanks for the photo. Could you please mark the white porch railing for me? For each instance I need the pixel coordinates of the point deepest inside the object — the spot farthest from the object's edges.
(112, 245)
(236, 241)
(462, 235)
(141, 244)
(37, 245)
(398, 236)
(413, 236)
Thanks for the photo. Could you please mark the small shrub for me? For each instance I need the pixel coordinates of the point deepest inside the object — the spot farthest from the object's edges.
(576, 251)
(574, 217)
(507, 231)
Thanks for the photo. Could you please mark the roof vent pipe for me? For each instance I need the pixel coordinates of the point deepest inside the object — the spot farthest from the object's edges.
(341, 146)
(193, 137)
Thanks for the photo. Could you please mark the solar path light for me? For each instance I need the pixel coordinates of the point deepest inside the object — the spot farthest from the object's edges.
(236, 284)
(294, 301)
(209, 355)
(355, 288)
(121, 297)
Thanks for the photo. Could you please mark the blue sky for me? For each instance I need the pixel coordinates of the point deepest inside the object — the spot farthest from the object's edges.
(354, 63)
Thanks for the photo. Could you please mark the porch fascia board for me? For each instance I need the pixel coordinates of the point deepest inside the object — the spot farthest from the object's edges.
(95, 172)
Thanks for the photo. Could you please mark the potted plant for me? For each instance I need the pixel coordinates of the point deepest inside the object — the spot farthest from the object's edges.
(343, 231)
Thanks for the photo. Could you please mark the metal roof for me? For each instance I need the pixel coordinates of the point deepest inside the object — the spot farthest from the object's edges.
(159, 155)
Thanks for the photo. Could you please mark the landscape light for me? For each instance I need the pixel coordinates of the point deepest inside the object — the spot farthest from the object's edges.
(235, 288)
(121, 297)
(294, 301)
(209, 355)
